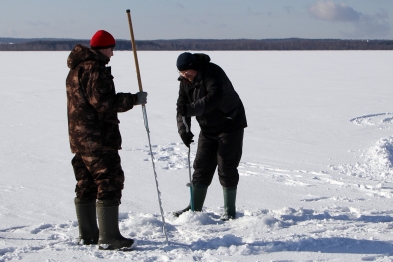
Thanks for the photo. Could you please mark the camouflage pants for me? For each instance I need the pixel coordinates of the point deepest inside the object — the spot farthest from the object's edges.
(99, 175)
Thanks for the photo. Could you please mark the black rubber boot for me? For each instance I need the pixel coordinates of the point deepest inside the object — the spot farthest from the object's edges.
(199, 193)
(87, 221)
(229, 203)
(108, 221)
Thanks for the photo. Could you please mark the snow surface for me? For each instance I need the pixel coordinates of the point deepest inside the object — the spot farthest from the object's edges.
(316, 174)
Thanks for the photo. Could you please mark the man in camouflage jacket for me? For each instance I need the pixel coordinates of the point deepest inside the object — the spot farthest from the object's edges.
(93, 125)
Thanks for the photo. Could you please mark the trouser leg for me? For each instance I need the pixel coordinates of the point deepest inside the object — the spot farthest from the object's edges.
(85, 187)
(205, 162)
(229, 153)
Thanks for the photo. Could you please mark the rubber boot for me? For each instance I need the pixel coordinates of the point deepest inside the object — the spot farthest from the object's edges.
(87, 221)
(108, 221)
(199, 194)
(229, 203)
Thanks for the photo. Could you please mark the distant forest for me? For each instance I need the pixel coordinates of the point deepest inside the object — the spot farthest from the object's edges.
(50, 44)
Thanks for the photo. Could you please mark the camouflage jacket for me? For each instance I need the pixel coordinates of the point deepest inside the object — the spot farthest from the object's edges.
(92, 102)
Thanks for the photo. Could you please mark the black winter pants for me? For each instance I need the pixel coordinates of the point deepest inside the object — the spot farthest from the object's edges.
(99, 175)
(222, 150)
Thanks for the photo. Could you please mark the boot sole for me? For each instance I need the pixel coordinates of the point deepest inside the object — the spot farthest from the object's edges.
(110, 247)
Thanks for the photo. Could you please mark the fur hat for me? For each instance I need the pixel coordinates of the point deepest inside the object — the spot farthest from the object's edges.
(187, 61)
(101, 40)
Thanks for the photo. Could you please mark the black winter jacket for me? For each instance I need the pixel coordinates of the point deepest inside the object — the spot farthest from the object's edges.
(212, 99)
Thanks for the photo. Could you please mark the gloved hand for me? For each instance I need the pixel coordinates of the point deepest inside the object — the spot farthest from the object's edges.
(182, 109)
(187, 138)
(140, 98)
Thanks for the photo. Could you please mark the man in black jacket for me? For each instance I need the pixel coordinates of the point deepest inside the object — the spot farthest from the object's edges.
(207, 93)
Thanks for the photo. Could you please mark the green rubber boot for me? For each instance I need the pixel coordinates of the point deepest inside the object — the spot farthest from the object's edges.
(108, 221)
(229, 203)
(87, 221)
(199, 193)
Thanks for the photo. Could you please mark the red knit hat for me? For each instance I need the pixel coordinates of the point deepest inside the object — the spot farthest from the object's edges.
(101, 40)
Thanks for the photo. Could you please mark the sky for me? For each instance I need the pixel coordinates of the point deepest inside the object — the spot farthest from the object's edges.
(203, 19)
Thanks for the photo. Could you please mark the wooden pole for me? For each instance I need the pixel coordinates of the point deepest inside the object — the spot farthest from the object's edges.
(138, 73)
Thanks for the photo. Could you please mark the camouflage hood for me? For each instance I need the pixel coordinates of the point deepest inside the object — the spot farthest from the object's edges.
(82, 53)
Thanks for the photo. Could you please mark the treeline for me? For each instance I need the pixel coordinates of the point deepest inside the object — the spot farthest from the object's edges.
(9, 44)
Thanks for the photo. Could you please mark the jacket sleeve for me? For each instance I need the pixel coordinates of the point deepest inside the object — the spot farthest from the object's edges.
(211, 100)
(124, 102)
(101, 94)
(182, 100)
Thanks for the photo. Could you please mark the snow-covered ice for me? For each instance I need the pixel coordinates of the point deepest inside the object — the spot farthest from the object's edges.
(316, 177)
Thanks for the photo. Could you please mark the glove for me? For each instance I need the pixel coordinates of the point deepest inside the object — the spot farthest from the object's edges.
(140, 98)
(182, 109)
(187, 138)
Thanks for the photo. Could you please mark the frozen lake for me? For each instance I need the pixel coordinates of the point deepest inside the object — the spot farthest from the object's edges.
(316, 174)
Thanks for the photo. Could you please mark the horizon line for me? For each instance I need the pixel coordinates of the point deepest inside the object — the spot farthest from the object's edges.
(210, 39)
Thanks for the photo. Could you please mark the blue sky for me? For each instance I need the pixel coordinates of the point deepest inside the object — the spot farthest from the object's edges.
(198, 19)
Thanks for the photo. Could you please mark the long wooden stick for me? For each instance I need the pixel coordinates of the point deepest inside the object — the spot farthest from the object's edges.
(138, 73)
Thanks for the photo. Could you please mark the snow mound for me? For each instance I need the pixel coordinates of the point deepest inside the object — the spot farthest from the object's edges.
(196, 218)
(377, 162)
